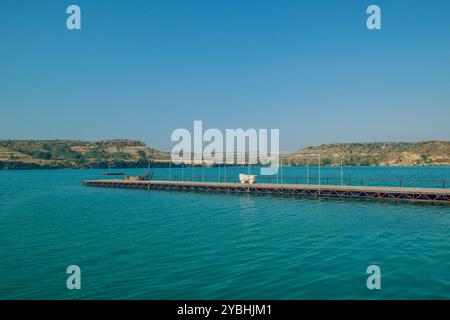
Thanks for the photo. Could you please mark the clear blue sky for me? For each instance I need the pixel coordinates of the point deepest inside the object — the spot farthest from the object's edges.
(140, 69)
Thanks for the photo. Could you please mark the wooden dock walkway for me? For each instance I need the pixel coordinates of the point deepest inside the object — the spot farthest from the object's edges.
(433, 195)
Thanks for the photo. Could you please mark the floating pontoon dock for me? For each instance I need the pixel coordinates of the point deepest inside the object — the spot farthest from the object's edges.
(434, 195)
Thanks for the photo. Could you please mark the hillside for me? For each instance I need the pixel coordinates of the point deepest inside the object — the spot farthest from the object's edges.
(52, 154)
(34, 154)
(429, 153)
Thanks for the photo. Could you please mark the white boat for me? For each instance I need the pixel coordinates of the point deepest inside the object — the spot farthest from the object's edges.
(247, 178)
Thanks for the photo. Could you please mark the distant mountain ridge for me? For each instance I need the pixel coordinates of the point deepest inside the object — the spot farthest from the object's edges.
(426, 153)
(124, 153)
(35, 154)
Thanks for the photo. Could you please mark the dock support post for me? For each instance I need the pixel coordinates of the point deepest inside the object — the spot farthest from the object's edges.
(307, 171)
(319, 174)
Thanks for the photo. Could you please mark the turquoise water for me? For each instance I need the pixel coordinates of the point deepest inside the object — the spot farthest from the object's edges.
(134, 244)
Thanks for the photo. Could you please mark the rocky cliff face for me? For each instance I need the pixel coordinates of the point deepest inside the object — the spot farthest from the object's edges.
(17, 154)
(436, 153)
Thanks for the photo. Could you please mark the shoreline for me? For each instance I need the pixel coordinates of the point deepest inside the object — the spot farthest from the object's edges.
(199, 166)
